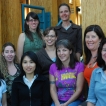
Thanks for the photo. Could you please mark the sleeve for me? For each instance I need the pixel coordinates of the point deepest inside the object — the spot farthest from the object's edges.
(3, 86)
(91, 94)
(52, 69)
(80, 68)
(46, 94)
(14, 95)
(79, 41)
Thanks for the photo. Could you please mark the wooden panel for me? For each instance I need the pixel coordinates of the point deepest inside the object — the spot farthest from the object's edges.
(50, 6)
(93, 12)
(10, 20)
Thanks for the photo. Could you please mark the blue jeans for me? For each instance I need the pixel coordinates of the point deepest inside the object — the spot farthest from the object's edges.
(75, 103)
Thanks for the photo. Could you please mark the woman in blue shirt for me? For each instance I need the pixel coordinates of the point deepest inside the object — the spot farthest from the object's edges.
(97, 88)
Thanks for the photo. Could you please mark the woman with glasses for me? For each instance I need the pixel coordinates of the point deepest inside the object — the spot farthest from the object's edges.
(47, 55)
(31, 39)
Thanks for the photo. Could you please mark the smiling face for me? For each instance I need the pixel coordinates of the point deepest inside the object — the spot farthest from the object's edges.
(64, 54)
(103, 52)
(32, 23)
(50, 38)
(28, 65)
(92, 41)
(64, 13)
(9, 54)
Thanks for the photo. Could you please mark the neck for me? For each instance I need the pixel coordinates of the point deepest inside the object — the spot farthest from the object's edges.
(33, 30)
(50, 48)
(30, 76)
(66, 23)
(10, 63)
(66, 63)
(94, 53)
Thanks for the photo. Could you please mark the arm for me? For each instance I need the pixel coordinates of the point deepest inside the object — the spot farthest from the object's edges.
(90, 104)
(91, 94)
(79, 87)
(53, 90)
(78, 56)
(79, 44)
(20, 45)
(46, 94)
(4, 99)
(14, 95)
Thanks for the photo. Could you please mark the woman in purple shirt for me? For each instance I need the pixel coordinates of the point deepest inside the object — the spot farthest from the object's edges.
(66, 76)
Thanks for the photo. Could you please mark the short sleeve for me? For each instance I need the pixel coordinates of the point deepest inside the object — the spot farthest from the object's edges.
(80, 67)
(3, 86)
(52, 69)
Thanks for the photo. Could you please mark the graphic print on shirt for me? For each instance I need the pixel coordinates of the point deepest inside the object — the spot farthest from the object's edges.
(66, 83)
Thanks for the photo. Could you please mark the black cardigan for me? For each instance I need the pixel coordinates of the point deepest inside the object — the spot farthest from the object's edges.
(37, 95)
(44, 61)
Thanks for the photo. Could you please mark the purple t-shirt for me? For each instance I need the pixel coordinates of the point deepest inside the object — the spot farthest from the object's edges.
(66, 80)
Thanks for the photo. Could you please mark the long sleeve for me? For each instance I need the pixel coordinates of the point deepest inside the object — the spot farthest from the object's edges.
(79, 41)
(14, 95)
(46, 94)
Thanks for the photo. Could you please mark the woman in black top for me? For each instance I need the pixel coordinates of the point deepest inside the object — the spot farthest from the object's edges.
(30, 88)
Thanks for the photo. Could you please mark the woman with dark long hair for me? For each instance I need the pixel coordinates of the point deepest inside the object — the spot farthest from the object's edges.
(31, 39)
(30, 88)
(66, 76)
(97, 88)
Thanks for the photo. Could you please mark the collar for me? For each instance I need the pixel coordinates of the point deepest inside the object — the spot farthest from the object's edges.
(25, 79)
(72, 25)
(39, 78)
(99, 70)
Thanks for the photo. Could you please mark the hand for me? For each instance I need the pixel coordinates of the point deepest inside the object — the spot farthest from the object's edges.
(64, 104)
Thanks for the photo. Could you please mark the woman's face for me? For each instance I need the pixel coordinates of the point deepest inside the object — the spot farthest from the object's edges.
(64, 13)
(92, 40)
(64, 54)
(103, 52)
(50, 38)
(28, 65)
(32, 23)
(9, 53)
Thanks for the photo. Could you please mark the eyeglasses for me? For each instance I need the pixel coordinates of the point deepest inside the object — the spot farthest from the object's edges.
(52, 36)
(32, 20)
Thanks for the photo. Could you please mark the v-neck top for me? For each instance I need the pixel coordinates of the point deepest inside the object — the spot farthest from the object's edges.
(45, 61)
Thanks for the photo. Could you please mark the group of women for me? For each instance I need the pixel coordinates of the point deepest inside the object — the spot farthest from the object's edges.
(50, 73)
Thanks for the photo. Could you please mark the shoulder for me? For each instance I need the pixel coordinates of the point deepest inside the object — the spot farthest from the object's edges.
(22, 35)
(18, 79)
(97, 70)
(53, 65)
(3, 82)
(80, 66)
(42, 78)
(38, 53)
(58, 27)
(75, 26)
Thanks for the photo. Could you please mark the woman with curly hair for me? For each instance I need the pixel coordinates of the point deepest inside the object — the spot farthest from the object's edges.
(8, 67)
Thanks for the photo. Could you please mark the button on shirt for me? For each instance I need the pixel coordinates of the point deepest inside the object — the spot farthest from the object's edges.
(27, 82)
(97, 88)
